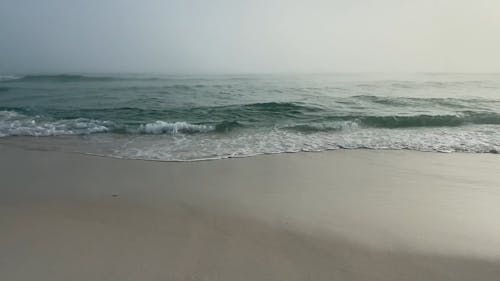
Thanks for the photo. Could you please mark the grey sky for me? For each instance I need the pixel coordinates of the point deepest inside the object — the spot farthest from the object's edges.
(183, 36)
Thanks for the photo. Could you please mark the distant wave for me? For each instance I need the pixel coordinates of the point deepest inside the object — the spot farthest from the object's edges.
(259, 111)
(338, 123)
(430, 120)
(81, 78)
(416, 101)
(277, 106)
(59, 78)
(9, 77)
(72, 78)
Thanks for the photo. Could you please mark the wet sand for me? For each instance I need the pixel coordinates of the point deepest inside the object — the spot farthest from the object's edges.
(340, 215)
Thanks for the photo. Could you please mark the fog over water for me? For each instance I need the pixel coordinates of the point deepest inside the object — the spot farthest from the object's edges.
(222, 36)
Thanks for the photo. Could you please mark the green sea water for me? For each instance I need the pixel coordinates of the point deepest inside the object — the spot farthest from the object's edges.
(175, 117)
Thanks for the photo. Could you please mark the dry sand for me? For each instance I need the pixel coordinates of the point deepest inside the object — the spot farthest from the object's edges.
(342, 215)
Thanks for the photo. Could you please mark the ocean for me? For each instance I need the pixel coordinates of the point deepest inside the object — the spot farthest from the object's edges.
(187, 117)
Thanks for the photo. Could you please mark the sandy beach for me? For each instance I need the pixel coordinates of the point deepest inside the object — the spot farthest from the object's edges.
(340, 215)
(249, 140)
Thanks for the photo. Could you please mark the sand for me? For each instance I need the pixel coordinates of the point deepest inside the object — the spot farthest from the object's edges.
(340, 215)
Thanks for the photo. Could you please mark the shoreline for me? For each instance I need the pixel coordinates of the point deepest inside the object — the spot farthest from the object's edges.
(43, 143)
(334, 215)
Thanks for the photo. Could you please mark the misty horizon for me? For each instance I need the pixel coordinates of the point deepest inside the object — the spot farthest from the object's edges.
(248, 37)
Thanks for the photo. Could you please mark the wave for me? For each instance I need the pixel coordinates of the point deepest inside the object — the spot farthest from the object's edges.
(16, 124)
(279, 106)
(324, 127)
(415, 101)
(227, 126)
(162, 127)
(341, 123)
(9, 77)
(430, 120)
(13, 123)
(59, 78)
(86, 78)
(253, 113)
(332, 123)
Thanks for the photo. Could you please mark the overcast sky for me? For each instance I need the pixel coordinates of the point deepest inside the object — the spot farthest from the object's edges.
(248, 36)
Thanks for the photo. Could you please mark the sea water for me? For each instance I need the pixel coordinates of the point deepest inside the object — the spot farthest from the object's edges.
(188, 117)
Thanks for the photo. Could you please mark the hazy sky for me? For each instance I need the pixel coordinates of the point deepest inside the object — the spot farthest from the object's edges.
(222, 36)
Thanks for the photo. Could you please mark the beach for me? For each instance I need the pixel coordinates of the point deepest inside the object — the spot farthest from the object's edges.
(249, 140)
(335, 215)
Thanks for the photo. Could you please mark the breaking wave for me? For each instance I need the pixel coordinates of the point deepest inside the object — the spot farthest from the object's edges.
(162, 127)
(16, 124)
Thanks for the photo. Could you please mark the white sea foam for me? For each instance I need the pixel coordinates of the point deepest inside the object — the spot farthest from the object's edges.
(16, 124)
(181, 147)
(162, 127)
